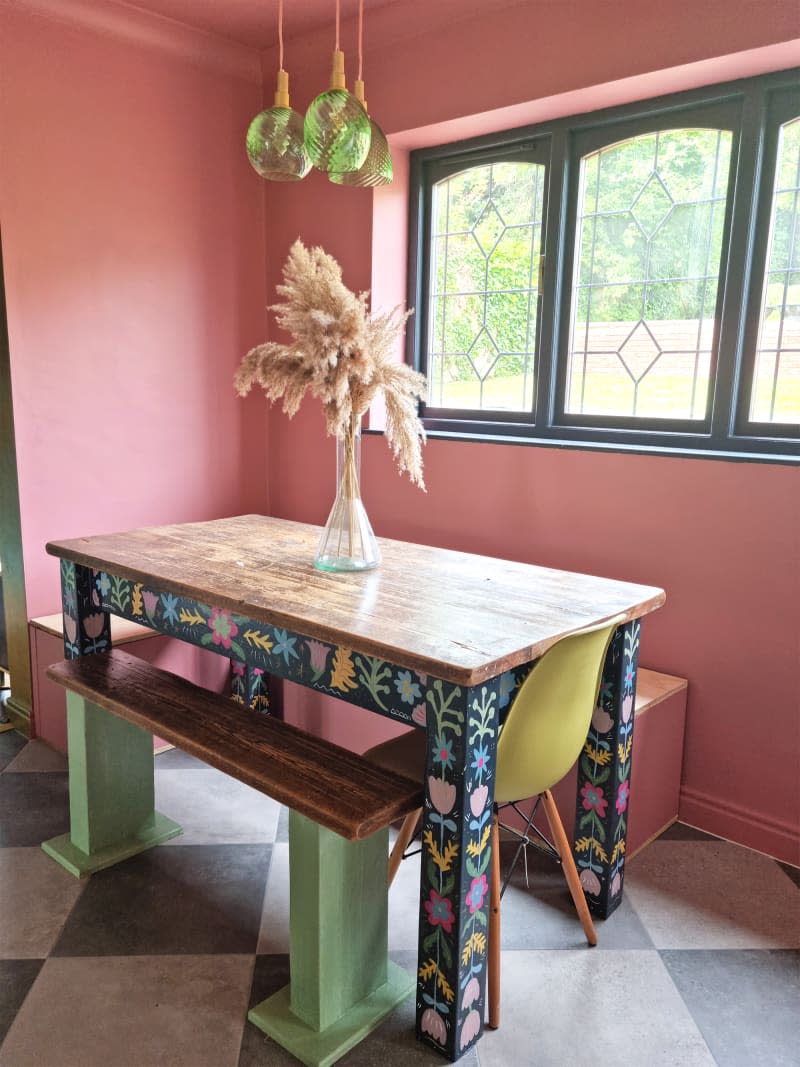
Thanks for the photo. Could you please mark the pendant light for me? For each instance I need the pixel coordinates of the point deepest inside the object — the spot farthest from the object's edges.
(275, 141)
(337, 128)
(377, 167)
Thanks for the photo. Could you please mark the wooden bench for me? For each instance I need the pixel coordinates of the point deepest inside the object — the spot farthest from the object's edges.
(328, 784)
(343, 983)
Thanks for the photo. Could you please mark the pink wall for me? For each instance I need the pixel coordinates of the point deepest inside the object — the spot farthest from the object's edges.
(133, 232)
(722, 538)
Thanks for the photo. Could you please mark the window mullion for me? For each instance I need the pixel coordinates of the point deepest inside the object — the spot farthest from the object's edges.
(552, 245)
(731, 377)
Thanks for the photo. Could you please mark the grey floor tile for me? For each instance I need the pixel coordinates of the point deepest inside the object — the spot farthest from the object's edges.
(214, 808)
(712, 894)
(270, 974)
(176, 760)
(37, 895)
(16, 978)
(393, 1042)
(746, 1003)
(541, 913)
(11, 743)
(38, 756)
(165, 1011)
(196, 899)
(282, 833)
(35, 807)
(562, 1008)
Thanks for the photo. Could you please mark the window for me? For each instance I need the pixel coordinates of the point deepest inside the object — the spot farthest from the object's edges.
(486, 237)
(774, 394)
(625, 278)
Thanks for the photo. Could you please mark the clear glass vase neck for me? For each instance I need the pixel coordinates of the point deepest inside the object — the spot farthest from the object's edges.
(348, 542)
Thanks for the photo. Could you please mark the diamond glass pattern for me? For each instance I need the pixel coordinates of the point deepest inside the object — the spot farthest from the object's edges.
(483, 277)
(776, 381)
(644, 295)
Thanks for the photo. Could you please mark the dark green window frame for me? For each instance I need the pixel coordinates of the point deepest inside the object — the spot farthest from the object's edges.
(753, 110)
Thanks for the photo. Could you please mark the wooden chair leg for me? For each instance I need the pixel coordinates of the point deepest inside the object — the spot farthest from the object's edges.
(568, 866)
(402, 842)
(494, 929)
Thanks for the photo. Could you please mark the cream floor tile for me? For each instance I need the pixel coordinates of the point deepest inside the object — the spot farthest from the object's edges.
(581, 1006)
(214, 809)
(404, 906)
(37, 896)
(712, 894)
(147, 1011)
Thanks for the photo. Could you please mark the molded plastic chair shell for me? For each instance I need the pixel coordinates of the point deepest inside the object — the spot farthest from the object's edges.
(549, 718)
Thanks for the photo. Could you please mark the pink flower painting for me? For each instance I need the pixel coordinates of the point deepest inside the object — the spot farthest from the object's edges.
(442, 794)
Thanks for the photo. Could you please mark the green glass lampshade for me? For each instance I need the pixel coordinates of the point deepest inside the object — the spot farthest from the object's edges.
(376, 168)
(276, 145)
(337, 131)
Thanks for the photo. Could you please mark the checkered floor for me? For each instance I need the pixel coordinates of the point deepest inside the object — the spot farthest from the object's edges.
(155, 962)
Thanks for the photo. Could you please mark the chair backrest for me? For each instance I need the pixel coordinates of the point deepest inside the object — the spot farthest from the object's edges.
(549, 719)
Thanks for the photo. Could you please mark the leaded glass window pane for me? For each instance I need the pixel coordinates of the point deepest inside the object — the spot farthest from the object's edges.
(484, 287)
(649, 232)
(776, 381)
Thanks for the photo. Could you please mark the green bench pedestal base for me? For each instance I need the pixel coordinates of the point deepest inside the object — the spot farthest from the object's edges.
(82, 864)
(111, 792)
(342, 982)
(320, 1048)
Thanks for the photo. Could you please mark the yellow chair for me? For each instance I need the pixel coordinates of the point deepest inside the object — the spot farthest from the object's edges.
(540, 740)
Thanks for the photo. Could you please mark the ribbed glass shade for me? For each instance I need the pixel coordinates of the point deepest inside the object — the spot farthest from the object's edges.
(376, 168)
(276, 145)
(337, 131)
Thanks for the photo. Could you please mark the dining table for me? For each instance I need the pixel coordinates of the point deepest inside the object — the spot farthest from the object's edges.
(432, 638)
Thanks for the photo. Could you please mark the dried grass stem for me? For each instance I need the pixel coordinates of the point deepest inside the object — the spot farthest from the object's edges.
(340, 352)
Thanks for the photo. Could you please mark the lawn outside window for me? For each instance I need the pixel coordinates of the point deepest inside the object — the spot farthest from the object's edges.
(622, 279)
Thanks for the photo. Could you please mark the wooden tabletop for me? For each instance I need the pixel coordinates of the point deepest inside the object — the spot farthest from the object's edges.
(454, 615)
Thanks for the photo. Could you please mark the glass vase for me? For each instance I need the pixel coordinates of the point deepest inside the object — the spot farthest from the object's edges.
(347, 542)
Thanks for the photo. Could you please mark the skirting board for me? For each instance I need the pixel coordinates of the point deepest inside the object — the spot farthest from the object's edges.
(19, 714)
(774, 837)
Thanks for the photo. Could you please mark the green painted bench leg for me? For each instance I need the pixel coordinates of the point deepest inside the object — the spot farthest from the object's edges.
(111, 792)
(342, 981)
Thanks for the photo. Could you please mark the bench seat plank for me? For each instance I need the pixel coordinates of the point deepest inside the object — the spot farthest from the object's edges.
(328, 784)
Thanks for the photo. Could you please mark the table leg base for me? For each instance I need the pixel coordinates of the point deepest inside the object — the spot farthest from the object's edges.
(81, 864)
(319, 1048)
(602, 909)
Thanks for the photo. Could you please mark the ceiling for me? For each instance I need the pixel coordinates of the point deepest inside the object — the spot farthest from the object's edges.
(255, 22)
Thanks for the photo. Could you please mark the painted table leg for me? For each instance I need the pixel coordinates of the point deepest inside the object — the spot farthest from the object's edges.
(87, 627)
(250, 686)
(604, 777)
(459, 778)
(342, 981)
(111, 792)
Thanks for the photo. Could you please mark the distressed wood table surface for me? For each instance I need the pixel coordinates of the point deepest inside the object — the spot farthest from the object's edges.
(434, 638)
